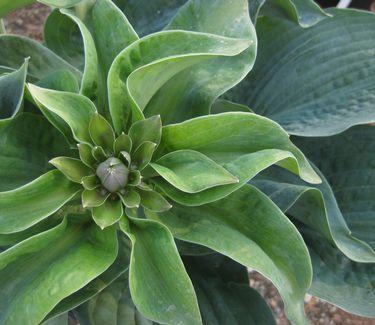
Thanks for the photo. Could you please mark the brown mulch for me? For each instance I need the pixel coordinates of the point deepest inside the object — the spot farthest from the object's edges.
(29, 22)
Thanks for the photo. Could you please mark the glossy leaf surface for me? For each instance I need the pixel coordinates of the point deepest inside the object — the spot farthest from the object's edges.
(54, 264)
(154, 258)
(241, 220)
(330, 88)
(31, 203)
(191, 172)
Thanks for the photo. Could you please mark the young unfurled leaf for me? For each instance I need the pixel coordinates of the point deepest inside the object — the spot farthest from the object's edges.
(53, 265)
(90, 182)
(94, 198)
(131, 199)
(25, 206)
(191, 172)
(135, 178)
(101, 132)
(85, 154)
(146, 130)
(154, 201)
(72, 168)
(154, 259)
(142, 156)
(11, 93)
(108, 213)
(240, 221)
(76, 110)
(99, 154)
(122, 143)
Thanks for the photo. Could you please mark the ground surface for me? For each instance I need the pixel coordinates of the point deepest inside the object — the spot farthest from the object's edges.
(29, 22)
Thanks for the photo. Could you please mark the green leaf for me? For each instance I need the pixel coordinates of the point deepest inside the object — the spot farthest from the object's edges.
(94, 198)
(131, 199)
(43, 62)
(8, 240)
(223, 300)
(135, 77)
(327, 92)
(99, 154)
(89, 291)
(2, 27)
(192, 91)
(63, 80)
(90, 72)
(123, 143)
(85, 154)
(101, 132)
(154, 259)
(149, 17)
(61, 3)
(7, 6)
(305, 12)
(72, 168)
(27, 143)
(244, 168)
(108, 213)
(112, 306)
(63, 36)
(145, 130)
(76, 110)
(225, 106)
(143, 154)
(52, 265)
(25, 206)
(135, 178)
(242, 220)
(192, 172)
(339, 280)
(347, 161)
(228, 136)
(11, 93)
(59, 320)
(315, 207)
(90, 182)
(153, 201)
(111, 33)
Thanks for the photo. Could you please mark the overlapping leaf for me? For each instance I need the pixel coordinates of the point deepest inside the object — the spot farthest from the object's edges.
(315, 206)
(66, 111)
(113, 306)
(250, 229)
(305, 12)
(243, 143)
(347, 162)
(339, 280)
(11, 93)
(115, 271)
(149, 17)
(154, 257)
(48, 267)
(23, 207)
(26, 146)
(151, 77)
(43, 62)
(224, 296)
(327, 72)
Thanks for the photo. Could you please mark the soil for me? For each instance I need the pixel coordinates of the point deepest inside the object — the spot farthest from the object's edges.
(29, 22)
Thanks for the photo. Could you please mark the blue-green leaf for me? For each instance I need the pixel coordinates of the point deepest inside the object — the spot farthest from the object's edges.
(329, 88)
(25, 206)
(42, 270)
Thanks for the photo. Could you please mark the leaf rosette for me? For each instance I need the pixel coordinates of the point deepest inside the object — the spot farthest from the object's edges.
(117, 149)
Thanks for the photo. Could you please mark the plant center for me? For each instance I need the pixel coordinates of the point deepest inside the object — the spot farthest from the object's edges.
(113, 174)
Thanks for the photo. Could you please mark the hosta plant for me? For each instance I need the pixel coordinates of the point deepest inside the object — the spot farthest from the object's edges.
(137, 186)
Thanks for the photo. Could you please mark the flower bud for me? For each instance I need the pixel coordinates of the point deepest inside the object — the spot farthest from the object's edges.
(113, 174)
